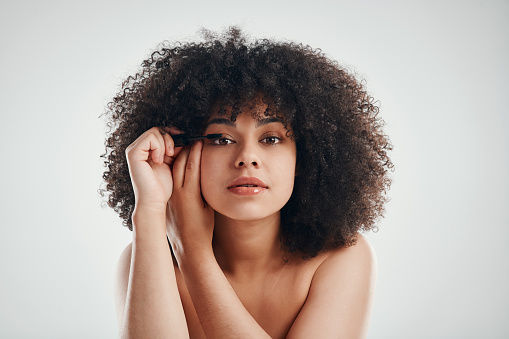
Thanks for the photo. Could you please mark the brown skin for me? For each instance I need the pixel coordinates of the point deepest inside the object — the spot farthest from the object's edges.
(342, 150)
(276, 298)
(228, 278)
(343, 282)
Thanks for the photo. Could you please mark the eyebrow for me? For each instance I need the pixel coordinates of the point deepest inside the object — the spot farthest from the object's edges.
(228, 122)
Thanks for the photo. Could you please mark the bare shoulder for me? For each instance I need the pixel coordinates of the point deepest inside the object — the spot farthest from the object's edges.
(360, 256)
(351, 269)
(341, 294)
(122, 280)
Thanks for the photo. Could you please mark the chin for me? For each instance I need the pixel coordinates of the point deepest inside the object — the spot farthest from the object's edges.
(246, 208)
(244, 213)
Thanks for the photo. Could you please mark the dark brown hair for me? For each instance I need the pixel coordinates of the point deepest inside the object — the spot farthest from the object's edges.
(342, 156)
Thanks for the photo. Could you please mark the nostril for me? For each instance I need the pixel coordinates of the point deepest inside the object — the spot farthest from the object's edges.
(242, 163)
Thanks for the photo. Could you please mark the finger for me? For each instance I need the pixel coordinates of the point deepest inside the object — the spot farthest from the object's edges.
(168, 145)
(157, 153)
(145, 148)
(168, 160)
(179, 167)
(168, 132)
(192, 175)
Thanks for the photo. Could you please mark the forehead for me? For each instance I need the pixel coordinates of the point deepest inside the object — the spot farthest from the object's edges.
(259, 121)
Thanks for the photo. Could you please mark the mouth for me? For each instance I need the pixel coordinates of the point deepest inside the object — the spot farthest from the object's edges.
(247, 182)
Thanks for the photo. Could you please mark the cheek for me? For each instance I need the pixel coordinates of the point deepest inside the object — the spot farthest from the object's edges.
(284, 170)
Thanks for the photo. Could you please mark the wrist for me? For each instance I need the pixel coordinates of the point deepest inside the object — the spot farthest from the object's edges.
(149, 217)
(149, 206)
(195, 256)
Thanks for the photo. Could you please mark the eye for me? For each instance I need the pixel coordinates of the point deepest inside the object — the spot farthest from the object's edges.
(221, 141)
(271, 140)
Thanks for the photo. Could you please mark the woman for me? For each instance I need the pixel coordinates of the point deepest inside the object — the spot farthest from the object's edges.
(253, 231)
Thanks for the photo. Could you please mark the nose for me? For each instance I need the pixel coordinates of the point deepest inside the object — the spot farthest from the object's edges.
(247, 157)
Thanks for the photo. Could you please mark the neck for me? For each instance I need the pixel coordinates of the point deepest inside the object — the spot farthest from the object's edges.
(247, 247)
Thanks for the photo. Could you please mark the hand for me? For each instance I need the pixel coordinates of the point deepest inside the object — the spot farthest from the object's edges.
(150, 158)
(192, 232)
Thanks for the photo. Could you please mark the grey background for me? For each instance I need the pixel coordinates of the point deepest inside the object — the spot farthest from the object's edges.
(441, 74)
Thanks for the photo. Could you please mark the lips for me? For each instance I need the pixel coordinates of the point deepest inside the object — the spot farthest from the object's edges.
(247, 186)
(247, 182)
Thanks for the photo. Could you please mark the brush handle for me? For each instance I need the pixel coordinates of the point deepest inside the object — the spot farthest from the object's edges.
(181, 140)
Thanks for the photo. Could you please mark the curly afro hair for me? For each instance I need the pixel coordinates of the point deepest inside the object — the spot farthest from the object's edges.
(342, 159)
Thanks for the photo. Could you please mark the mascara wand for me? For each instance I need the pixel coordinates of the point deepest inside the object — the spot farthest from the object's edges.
(184, 139)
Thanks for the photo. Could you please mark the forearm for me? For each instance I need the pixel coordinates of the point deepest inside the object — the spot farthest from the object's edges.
(153, 308)
(221, 313)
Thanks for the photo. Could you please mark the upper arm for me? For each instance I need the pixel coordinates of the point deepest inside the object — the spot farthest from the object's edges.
(340, 295)
(122, 282)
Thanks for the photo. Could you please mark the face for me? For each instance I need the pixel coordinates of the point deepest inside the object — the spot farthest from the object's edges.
(248, 174)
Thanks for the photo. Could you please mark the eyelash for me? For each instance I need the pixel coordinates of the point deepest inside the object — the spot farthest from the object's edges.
(216, 142)
(278, 139)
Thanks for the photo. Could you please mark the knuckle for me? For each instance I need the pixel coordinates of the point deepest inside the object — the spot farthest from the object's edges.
(191, 165)
(128, 150)
(153, 132)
